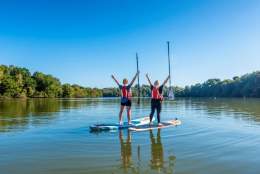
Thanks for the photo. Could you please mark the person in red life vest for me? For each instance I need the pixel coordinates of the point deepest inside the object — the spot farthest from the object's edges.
(156, 98)
(126, 95)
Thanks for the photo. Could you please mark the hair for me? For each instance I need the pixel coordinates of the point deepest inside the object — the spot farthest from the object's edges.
(156, 82)
(125, 81)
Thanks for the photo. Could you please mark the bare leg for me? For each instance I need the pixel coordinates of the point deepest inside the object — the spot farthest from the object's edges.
(120, 114)
(129, 114)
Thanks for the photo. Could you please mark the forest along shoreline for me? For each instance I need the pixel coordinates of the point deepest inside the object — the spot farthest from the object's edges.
(19, 82)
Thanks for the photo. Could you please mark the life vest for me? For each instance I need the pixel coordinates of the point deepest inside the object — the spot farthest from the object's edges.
(156, 94)
(126, 93)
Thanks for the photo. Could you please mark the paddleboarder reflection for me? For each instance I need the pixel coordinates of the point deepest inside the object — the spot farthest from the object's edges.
(156, 151)
(157, 161)
(157, 155)
(126, 150)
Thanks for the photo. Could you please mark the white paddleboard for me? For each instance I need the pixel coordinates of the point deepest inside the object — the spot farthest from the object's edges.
(164, 124)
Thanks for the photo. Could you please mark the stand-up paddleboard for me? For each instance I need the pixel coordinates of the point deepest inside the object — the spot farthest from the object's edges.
(116, 126)
(165, 124)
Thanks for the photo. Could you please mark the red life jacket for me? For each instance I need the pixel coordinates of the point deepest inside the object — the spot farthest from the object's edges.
(126, 93)
(156, 94)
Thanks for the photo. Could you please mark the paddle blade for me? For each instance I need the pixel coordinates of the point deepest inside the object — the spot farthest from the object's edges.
(171, 94)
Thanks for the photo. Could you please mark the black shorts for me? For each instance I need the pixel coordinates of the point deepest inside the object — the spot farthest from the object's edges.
(127, 103)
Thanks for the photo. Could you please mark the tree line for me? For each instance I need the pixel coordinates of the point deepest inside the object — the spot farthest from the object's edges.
(17, 82)
(247, 85)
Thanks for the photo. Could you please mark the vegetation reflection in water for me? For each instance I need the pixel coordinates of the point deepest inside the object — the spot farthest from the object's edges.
(21, 113)
(52, 136)
(17, 112)
(157, 160)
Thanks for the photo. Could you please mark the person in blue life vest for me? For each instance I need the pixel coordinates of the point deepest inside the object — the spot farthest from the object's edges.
(126, 95)
(156, 98)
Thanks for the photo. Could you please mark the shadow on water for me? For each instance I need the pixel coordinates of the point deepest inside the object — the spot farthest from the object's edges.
(158, 161)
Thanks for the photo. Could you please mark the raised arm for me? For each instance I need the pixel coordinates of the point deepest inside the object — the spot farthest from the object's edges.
(113, 77)
(166, 80)
(132, 82)
(149, 80)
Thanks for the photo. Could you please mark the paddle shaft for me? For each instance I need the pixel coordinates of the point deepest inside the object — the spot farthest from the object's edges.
(138, 81)
(169, 63)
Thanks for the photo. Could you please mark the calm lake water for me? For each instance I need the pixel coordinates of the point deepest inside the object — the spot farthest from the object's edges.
(51, 136)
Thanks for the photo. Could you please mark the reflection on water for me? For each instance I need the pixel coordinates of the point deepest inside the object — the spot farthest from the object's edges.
(21, 114)
(240, 108)
(51, 136)
(156, 151)
(157, 155)
(156, 162)
(126, 150)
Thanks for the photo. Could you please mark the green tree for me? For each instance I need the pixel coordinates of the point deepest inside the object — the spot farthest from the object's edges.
(67, 91)
(47, 85)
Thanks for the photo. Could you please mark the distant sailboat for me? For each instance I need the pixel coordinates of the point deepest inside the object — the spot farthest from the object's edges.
(170, 92)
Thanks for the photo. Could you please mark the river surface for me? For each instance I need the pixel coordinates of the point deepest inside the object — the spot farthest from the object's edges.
(51, 136)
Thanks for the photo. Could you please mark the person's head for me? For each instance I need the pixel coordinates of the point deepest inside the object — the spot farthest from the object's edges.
(125, 81)
(156, 83)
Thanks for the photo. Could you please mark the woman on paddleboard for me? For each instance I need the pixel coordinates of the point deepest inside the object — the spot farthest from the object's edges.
(156, 98)
(125, 97)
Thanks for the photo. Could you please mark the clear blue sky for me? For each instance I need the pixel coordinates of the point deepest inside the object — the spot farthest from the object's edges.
(84, 42)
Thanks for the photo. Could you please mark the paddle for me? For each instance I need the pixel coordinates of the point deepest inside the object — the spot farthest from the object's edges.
(138, 82)
(170, 92)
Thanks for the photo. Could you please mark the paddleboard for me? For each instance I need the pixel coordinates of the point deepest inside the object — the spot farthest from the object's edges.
(165, 124)
(116, 126)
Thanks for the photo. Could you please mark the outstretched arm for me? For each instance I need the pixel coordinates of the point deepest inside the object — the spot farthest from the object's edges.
(113, 77)
(149, 80)
(166, 80)
(132, 82)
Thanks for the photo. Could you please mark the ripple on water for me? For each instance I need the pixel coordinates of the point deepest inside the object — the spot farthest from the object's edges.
(216, 136)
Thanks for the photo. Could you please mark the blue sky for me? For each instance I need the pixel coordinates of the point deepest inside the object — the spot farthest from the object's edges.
(84, 42)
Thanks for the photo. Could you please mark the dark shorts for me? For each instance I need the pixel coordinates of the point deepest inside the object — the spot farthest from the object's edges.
(127, 103)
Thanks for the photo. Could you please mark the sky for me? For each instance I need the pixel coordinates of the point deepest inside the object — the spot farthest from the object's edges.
(84, 42)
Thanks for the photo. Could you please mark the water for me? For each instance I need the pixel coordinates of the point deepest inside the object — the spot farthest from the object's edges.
(46, 136)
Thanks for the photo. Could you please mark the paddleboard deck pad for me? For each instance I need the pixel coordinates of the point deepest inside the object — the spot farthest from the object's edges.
(164, 124)
(116, 126)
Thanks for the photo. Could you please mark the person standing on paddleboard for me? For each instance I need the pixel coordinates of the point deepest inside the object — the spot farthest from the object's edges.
(156, 98)
(126, 95)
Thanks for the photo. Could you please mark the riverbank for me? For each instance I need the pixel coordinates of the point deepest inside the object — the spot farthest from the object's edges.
(17, 82)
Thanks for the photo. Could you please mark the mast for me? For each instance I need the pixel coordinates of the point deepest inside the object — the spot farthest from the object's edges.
(138, 81)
